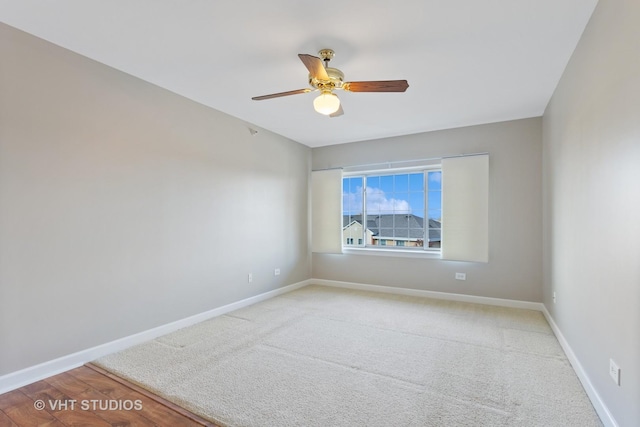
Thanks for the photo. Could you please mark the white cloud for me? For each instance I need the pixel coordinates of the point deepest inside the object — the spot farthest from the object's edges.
(352, 202)
(435, 178)
(377, 202)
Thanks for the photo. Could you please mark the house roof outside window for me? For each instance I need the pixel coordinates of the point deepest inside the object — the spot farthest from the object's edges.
(396, 226)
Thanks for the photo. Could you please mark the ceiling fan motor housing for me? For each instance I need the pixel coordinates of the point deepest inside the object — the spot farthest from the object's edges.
(336, 78)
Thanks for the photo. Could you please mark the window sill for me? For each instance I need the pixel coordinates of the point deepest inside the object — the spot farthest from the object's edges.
(393, 253)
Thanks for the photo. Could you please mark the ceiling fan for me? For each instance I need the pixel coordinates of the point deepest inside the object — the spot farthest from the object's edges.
(325, 79)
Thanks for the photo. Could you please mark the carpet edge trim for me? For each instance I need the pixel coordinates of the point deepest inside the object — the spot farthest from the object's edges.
(158, 399)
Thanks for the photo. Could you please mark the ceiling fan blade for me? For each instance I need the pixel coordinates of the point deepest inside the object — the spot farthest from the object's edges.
(278, 95)
(337, 113)
(314, 65)
(377, 86)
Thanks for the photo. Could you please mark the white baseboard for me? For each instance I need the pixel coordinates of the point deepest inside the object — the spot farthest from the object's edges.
(38, 372)
(538, 306)
(605, 416)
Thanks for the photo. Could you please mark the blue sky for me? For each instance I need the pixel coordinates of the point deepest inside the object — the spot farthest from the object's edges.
(401, 193)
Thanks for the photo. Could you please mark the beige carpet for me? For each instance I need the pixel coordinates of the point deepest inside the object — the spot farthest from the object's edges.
(323, 356)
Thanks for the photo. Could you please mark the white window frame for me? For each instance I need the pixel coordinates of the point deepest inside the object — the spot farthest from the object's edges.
(402, 251)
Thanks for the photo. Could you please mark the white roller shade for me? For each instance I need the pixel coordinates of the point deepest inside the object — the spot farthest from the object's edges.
(465, 208)
(326, 211)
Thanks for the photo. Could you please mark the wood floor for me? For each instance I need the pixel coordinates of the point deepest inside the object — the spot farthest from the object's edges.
(90, 396)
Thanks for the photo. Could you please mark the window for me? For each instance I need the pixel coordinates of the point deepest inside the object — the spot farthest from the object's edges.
(393, 209)
(455, 221)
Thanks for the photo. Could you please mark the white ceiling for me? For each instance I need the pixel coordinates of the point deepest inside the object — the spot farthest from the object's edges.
(467, 61)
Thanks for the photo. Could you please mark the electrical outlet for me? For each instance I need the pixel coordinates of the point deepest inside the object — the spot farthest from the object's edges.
(250, 277)
(276, 272)
(614, 371)
(461, 276)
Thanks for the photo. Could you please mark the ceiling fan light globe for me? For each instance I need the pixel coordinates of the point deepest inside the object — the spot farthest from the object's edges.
(326, 103)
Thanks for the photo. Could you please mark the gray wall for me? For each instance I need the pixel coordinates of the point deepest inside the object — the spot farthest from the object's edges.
(124, 206)
(514, 270)
(592, 204)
